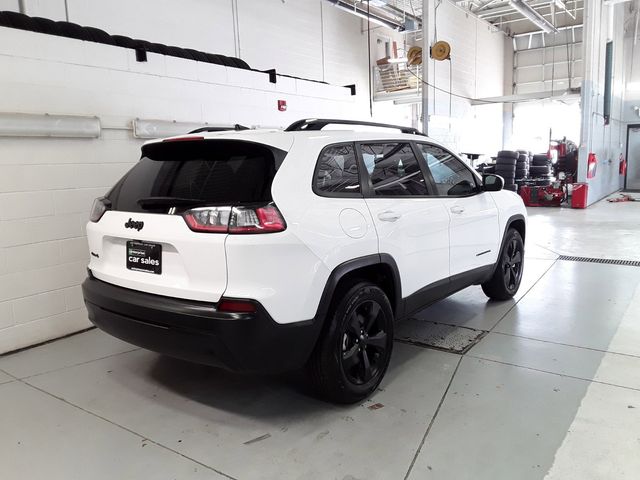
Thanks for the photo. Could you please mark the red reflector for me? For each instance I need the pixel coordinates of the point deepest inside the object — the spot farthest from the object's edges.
(182, 139)
(236, 306)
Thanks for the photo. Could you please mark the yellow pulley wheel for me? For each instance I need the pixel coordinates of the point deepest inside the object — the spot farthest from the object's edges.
(414, 56)
(440, 50)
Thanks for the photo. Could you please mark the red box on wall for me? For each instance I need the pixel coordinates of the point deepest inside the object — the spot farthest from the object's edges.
(579, 195)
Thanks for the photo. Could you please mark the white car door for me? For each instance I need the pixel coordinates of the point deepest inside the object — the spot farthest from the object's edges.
(474, 229)
(412, 226)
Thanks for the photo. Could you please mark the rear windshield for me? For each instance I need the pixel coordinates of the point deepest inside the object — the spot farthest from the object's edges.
(184, 174)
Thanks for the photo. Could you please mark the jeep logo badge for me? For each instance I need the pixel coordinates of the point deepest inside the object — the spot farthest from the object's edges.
(133, 224)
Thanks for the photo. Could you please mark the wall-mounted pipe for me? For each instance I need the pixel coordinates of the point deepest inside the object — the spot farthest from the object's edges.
(608, 66)
(608, 80)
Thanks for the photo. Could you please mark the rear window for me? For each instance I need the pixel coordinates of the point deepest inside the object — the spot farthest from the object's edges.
(181, 175)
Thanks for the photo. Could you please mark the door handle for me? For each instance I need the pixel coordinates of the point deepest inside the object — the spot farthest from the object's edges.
(457, 209)
(389, 216)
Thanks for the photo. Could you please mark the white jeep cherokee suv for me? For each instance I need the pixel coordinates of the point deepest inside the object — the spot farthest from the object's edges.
(269, 250)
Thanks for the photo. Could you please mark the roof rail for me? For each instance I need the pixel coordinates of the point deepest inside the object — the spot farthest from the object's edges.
(237, 127)
(320, 123)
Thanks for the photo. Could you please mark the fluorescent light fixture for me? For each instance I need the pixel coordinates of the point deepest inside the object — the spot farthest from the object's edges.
(45, 125)
(534, 17)
(163, 128)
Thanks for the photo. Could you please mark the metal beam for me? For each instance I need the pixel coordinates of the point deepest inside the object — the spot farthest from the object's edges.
(426, 34)
(508, 9)
(527, 97)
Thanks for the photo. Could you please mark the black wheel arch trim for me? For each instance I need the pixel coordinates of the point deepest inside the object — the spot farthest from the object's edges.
(508, 225)
(355, 264)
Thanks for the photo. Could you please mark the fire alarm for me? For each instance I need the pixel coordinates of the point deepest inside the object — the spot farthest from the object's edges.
(282, 105)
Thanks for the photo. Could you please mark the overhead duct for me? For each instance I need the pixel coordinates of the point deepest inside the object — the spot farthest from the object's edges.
(533, 16)
(376, 13)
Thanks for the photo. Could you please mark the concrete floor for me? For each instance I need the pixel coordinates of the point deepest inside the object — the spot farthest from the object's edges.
(550, 390)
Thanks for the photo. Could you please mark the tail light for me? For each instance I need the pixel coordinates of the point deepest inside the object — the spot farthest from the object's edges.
(100, 205)
(263, 219)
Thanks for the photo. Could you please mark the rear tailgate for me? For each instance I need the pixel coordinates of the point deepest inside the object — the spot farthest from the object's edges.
(142, 240)
(193, 265)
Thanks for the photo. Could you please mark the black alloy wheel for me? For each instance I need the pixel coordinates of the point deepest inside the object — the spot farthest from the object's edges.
(364, 343)
(354, 349)
(506, 278)
(512, 265)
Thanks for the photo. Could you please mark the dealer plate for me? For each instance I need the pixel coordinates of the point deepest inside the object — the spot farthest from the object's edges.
(144, 257)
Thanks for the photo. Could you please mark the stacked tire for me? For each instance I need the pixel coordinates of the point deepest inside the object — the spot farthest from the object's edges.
(540, 166)
(522, 165)
(506, 165)
(568, 163)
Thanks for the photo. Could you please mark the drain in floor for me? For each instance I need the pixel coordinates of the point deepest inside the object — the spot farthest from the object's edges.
(450, 338)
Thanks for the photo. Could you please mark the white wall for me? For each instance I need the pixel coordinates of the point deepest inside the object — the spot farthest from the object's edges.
(476, 70)
(47, 185)
(607, 142)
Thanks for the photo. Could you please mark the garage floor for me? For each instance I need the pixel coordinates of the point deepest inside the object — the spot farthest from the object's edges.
(548, 387)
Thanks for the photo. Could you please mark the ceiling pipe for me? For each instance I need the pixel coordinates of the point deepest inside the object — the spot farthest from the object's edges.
(534, 17)
(354, 9)
(508, 9)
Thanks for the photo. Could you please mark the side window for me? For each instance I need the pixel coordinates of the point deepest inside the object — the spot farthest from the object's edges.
(337, 171)
(393, 169)
(450, 175)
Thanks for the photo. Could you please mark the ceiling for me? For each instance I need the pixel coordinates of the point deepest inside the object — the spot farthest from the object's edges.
(500, 13)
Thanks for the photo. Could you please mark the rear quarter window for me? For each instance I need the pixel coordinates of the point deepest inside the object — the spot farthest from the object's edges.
(337, 172)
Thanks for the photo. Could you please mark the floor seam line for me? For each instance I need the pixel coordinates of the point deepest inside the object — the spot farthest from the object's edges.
(567, 345)
(555, 373)
(111, 355)
(133, 432)
(433, 418)
(547, 248)
(522, 297)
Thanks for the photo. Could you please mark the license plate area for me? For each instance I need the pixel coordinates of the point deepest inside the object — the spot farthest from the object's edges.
(144, 257)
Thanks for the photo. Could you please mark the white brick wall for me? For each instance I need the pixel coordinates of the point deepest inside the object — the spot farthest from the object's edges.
(47, 185)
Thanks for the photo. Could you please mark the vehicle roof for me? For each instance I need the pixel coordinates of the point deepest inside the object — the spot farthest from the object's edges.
(284, 140)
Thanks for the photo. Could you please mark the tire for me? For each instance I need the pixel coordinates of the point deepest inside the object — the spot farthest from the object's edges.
(508, 154)
(512, 187)
(508, 161)
(504, 172)
(337, 364)
(508, 180)
(507, 276)
(523, 157)
(99, 36)
(521, 173)
(537, 170)
(540, 163)
(46, 25)
(521, 165)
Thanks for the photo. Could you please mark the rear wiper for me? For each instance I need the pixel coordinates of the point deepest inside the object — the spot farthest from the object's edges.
(154, 202)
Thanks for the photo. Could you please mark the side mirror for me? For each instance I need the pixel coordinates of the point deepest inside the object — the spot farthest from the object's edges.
(492, 183)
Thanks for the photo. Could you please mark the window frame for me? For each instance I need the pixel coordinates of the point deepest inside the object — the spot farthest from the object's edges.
(365, 179)
(322, 193)
(429, 176)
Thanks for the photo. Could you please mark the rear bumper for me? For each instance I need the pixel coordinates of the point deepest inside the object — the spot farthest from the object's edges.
(196, 331)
